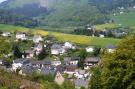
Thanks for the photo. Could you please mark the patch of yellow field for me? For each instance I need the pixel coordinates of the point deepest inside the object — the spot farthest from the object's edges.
(81, 39)
(41, 32)
(108, 25)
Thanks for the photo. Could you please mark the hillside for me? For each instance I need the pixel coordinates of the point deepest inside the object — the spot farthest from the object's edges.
(79, 39)
(57, 13)
(125, 19)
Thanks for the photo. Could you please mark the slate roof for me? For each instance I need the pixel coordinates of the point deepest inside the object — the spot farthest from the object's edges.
(92, 59)
(81, 83)
(22, 61)
(70, 68)
(28, 70)
(44, 62)
(48, 70)
(71, 59)
(56, 46)
(111, 46)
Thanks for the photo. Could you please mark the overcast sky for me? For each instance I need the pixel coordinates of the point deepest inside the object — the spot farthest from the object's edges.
(2, 0)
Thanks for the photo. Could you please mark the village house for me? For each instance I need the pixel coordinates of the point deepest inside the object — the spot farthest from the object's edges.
(37, 38)
(6, 34)
(71, 60)
(81, 74)
(41, 64)
(111, 48)
(56, 62)
(91, 61)
(57, 49)
(70, 70)
(18, 63)
(81, 83)
(26, 70)
(68, 45)
(21, 36)
(90, 49)
(48, 70)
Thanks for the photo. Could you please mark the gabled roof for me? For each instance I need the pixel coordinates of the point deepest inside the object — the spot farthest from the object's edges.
(27, 69)
(92, 59)
(48, 70)
(70, 68)
(44, 62)
(22, 61)
(81, 83)
(111, 46)
(71, 59)
(55, 46)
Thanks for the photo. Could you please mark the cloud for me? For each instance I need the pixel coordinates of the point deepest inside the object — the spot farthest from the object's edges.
(2, 1)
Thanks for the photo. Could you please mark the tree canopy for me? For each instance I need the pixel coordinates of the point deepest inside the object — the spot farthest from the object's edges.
(119, 68)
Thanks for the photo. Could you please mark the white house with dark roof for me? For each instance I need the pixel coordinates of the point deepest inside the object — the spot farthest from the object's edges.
(70, 70)
(21, 36)
(18, 63)
(57, 49)
(71, 60)
(81, 74)
(37, 38)
(90, 62)
(56, 62)
(111, 48)
(41, 64)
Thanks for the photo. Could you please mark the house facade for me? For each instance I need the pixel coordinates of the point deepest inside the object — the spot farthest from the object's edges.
(21, 36)
(90, 62)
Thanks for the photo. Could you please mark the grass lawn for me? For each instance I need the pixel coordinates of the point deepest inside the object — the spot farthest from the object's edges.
(79, 39)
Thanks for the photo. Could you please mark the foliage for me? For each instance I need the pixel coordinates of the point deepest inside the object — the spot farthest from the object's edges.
(118, 71)
(83, 54)
(106, 26)
(95, 79)
(5, 47)
(7, 17)
(16, 51)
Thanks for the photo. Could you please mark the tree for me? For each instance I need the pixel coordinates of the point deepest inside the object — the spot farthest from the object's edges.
(17, 52)
(119, 67)
(96, 79)
(42, 54)
(5, 47)
(83, 54)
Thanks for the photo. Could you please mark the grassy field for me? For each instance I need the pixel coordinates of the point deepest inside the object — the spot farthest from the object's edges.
(126, 19)
(108, 26)
(79, 39)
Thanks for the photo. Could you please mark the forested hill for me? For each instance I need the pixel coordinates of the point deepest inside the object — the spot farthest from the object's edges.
(109, 5)
(59, 13)
(7, 17)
